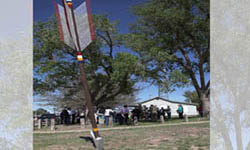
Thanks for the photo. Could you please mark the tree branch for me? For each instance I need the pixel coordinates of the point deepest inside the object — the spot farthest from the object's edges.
(208, 85)
(110, 45)
(102, 37)
(195, 47)
(188, 67)
(106, 69)
(202, 76)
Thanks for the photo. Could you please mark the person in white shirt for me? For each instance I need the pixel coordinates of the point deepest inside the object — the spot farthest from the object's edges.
(70, 115)
(107, 114)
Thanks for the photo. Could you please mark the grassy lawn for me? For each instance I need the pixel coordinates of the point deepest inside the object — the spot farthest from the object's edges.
(173, 120)
(141, 123)
(181, 137)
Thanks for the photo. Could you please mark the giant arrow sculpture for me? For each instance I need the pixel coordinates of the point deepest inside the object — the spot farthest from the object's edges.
(77, 31)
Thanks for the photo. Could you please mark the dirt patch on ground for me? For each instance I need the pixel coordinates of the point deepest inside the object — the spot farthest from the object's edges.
(197, 148)
(155, 141)
(194, 147)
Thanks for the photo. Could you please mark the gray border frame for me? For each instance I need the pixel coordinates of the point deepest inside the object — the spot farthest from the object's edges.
(230, 74)
(16, 64)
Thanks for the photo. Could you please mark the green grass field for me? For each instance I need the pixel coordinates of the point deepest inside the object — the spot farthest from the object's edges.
(141, 123)
(179, 137)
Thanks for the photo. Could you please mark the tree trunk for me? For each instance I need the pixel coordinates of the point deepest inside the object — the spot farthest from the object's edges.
(205, 104)
(238, 128)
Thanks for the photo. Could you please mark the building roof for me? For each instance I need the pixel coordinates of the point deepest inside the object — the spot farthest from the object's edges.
(166, 101)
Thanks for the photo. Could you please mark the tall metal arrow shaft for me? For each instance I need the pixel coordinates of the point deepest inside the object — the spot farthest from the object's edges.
(85, 83)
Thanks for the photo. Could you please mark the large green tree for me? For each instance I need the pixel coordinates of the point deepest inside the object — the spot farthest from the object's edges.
(172, 40)
(111, 74)
(191, 97)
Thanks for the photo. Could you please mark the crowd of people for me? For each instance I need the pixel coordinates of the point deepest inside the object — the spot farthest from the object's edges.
(70, 116)
(139, 113)
(123, 116)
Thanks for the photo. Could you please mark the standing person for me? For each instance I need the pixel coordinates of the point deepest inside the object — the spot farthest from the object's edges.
(65, 115)
(169, 112)
(70, 115)
(81, 116)
(140, 112)
(114, 114)
(155, 112)
(121, 116)
(86, 116)
(200, 110)
(124, 114)
(162, 112)
(180, 111)
(73, 113)
(151, 112)
(118, 117)
(107, 114)
(78, 116)
(62, 117)
(158, 113)
(96, 118)
(135, 113)
(147, 113)
(144, 115)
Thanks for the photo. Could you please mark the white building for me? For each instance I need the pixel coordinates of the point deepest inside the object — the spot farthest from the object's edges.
(189, 108)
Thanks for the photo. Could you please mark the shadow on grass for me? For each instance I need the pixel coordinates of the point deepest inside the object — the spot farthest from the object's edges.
(88, 139)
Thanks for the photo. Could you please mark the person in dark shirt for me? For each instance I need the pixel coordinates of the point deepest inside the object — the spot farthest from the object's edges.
(162, 112)
(169, 112)
(136, 113)
(62, 117)
(200, 110)
(141, 114)
(65, 116)
(73, 113)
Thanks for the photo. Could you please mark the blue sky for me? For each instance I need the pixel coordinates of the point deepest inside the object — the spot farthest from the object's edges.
(116, 10)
